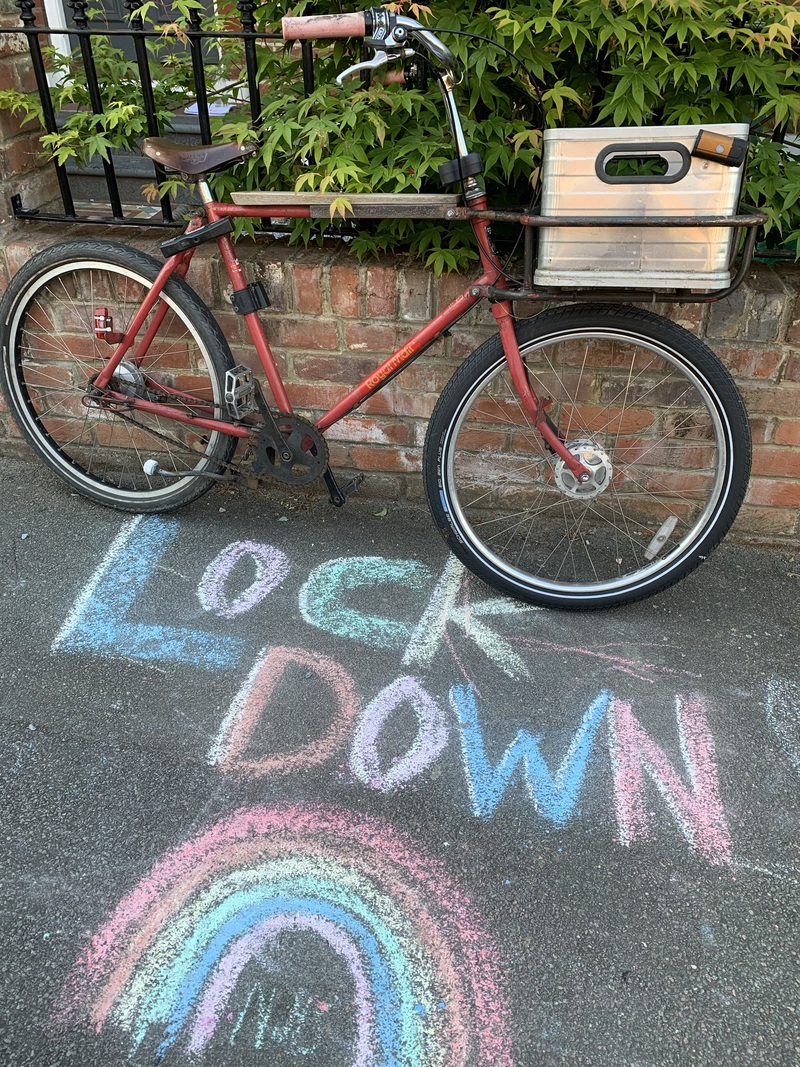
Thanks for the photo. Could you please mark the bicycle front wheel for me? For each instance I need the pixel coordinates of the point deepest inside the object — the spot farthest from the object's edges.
(61, 316)
(644, 405)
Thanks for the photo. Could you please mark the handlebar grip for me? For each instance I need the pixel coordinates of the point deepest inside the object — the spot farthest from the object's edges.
(305, 27)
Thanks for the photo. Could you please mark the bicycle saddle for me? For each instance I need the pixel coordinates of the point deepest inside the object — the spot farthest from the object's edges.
(194, 160)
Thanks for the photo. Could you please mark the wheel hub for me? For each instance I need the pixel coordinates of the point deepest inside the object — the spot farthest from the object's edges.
(597, 462)
(129, 378)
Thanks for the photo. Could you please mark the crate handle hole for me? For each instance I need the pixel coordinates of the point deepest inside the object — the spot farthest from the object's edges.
(637, 164)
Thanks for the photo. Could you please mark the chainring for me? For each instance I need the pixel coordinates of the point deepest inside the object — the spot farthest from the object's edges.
(307, 444)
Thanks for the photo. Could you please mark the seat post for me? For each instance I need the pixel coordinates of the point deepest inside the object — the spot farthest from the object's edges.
(205, 190)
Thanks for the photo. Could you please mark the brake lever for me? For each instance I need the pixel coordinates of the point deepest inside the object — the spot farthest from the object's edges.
(380, 59)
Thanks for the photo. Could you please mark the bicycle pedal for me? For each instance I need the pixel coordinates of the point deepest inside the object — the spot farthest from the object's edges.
(339, 494)
(353, 484)
(240, 397)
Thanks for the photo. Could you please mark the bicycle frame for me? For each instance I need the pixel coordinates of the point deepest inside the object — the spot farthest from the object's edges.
(214, 211)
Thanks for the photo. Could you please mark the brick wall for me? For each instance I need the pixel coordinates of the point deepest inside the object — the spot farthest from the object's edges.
(24, 169)
(332, 320)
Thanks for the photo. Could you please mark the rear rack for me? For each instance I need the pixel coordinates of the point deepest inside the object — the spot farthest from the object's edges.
(749, 222)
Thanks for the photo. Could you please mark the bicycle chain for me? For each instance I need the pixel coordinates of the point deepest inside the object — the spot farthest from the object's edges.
(312, 466)
(307, 447)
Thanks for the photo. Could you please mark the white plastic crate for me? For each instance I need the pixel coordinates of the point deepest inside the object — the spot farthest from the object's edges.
(578, 179)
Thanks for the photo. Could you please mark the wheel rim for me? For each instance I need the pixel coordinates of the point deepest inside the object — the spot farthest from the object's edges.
(638, 414)
(57, 353)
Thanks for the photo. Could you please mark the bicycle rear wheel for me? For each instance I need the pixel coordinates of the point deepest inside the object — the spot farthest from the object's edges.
(649, 410)
(52, 353)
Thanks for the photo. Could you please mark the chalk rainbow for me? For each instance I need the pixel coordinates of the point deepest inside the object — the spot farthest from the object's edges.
(424, 977)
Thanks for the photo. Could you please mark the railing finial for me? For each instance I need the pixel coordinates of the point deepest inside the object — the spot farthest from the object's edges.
(79, 16)
(130, 7)
(26, 12)
(246, 9)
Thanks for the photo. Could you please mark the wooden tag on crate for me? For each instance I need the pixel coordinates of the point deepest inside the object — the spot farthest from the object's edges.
(730, 151)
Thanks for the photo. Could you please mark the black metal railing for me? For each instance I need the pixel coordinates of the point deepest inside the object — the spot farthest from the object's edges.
(196, 40)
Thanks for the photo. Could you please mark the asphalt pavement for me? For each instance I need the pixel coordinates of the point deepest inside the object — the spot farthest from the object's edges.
(282, 786)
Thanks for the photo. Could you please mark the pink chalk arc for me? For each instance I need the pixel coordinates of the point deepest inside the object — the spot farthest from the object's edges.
(439, 949)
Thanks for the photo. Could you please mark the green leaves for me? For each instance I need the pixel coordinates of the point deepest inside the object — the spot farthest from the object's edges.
(442, 249)
(558, 95)
(774, 187)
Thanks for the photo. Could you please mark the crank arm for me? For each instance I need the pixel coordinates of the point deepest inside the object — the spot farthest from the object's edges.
(280, 444)
(340, 493)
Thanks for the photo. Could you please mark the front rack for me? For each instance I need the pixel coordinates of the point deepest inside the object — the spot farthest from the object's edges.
(750, 222)
(445, 206)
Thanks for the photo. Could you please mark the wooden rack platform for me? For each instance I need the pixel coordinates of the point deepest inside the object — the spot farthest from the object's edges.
(364, 205)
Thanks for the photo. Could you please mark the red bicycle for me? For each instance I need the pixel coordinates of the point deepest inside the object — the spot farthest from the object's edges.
(585, 457)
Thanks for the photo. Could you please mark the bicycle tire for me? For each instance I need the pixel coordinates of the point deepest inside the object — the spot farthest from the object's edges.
(51, 351)
(653, 414)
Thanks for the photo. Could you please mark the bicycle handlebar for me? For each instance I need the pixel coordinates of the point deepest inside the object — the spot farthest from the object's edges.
(307, 27)
(379, 28)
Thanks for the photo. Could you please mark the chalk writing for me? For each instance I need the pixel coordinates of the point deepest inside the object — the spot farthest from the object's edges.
(99, 620)
(335, 598)
(323, 597)
(428, 744)
(696, 806)
(553, 796)
(271, 567)
(166, 964)
(249, 705)
(446, 606)
(260, 1013)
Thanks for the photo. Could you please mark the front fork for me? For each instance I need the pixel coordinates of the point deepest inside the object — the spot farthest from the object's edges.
(536, 407)
(504, 316)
